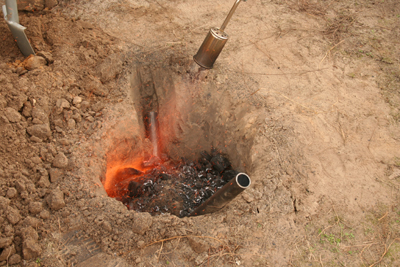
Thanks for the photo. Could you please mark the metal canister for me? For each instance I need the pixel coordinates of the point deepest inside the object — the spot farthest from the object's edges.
(211, 48)
(214, 42)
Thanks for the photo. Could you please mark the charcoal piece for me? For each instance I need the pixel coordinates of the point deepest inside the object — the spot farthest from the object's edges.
(135, 189)
(214, 152)
(198, 185)
(127, 173)
(157, 188)
(228, 175)
(218, 182)
(164, 176)
(210, 176)
(188, 170)
(205, 155)
(220, 163)
(203, 161)
(183, 213)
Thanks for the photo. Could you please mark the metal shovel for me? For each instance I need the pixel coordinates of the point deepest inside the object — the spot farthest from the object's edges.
(214, 42)
(10, 11)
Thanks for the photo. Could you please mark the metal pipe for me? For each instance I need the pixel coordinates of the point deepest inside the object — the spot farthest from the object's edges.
(223, 196)
(228, 18)
(153, 132)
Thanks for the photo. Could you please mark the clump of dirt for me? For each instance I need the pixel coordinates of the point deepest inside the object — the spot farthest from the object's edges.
(47, 103)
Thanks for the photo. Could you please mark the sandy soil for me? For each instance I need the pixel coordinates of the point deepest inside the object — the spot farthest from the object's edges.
(304, 98)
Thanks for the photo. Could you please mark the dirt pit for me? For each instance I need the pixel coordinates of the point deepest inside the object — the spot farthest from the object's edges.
(192, 118)
(303, 98)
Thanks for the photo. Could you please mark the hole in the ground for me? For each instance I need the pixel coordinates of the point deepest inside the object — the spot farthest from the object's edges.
(190, 139)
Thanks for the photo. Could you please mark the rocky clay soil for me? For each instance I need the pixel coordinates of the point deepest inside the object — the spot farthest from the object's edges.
(304, 98)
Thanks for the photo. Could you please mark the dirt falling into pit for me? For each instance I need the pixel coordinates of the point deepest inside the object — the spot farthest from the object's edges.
(193, 118)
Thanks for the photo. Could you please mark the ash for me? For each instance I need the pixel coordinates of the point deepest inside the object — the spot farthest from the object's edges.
(176, 187)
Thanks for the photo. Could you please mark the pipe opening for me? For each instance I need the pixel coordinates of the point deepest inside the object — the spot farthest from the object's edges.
(243, 180)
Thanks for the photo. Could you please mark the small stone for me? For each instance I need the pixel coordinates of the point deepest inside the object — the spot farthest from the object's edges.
(29, 233)
(31, 221)
(4, 202)
(140, 244)
(248, 197)
(14, 259)
(77, 117)
(96, 87)
(30, 249)
(107, 226)
(13, 215)
(37, 121)
(55, 199)
(62, 103)
(58, 122)
(34, 62)
(55, 174)
(41, 131)
(201, 258)
(71, 124)
(35, 139)
(43, 181)
(5, 242)
(12, 115)
(77, 100)
(138, 260)
(47, 55)
(21, 71)
(35, 207)
(199, 245)
(24, 195)
(20, 185)
(85, 105)
(36, 160)
(44, 214)
(27, 111)
(7, 252)
(11, 192)
(30, 187)
(4, 120)
(60, 161)
(40, 114)
(141, 222)
(90, 118)
(98, 106)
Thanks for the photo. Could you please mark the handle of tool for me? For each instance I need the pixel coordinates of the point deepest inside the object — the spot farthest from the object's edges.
(12, 10)
(228, 18)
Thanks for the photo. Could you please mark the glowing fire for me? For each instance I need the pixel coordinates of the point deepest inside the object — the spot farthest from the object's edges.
(117, 177)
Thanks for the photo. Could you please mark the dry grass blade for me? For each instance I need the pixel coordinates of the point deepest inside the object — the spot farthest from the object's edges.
(339, 26)
(313, 8)
(384, 253)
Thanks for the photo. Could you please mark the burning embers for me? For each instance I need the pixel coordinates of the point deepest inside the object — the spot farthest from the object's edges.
(174, 187)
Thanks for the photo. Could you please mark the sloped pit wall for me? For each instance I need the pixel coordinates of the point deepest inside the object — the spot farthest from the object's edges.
(195, 113)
